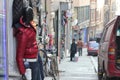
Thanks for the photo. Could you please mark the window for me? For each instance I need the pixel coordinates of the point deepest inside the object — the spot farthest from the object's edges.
(118, 31)
(92, 14)
(108, 34)
(109, 30)
(103, 35)
(83, 13)
(88, 12)
(113, 6)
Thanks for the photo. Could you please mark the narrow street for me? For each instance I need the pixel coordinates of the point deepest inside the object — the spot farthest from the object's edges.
(81, 70)
(32, 27)
(84, 69)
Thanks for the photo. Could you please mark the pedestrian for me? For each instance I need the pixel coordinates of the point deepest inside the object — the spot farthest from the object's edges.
(27, 49)
(73, 49)
(79, 46)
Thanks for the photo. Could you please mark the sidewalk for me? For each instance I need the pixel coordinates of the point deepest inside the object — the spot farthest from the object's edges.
(83, 69)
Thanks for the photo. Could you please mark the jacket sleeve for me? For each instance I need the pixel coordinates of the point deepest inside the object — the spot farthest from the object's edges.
(82, 44)
(76, 47)
(21, 45)
(71, 48)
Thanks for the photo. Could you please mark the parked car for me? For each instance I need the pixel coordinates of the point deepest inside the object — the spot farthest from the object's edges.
(109, 51)
(92, 48)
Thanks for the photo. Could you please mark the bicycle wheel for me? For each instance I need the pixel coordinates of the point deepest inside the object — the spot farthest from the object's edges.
(54, 68)
(44, 58)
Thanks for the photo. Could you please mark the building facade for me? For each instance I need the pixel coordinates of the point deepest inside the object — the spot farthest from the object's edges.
(109, 10)
(82, 9)
(92, 25)
(58, 23)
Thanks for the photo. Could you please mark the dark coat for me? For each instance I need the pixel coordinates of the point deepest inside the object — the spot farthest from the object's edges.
(73, 48)
(26, 45)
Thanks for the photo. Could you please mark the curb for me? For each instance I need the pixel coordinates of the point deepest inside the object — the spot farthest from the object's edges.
(94, 63)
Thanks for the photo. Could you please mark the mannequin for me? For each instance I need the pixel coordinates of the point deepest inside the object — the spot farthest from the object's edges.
(27, 49)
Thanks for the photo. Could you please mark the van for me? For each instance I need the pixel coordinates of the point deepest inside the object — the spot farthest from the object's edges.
(109, 51)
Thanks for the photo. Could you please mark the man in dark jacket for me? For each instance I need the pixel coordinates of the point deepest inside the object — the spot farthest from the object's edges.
(73, 49)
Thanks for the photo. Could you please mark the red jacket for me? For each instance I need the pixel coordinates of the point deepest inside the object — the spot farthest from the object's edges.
(26, 45)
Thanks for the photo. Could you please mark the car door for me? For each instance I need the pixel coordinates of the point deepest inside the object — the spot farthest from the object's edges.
(105, 43)
(101, 48)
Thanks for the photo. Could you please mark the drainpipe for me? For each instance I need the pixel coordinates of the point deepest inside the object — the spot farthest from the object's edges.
(45, 5)
(45, 22)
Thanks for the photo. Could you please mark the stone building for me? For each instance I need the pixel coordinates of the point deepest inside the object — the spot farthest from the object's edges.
(82, 11)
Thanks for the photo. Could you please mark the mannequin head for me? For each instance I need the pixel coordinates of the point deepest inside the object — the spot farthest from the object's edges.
(28, 15)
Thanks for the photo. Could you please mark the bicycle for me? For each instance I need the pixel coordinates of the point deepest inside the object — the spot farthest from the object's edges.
(50, 65)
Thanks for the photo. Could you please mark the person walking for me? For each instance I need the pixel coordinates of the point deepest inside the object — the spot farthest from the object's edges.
(73, 49)
(79, 46)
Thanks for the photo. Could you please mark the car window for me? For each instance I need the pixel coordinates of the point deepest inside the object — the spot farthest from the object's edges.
(103, 35)
(118, 32)
(108, 32)
(93, 44)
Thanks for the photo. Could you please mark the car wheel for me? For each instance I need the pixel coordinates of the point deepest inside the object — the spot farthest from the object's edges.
(104, 77)
(89, 54)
